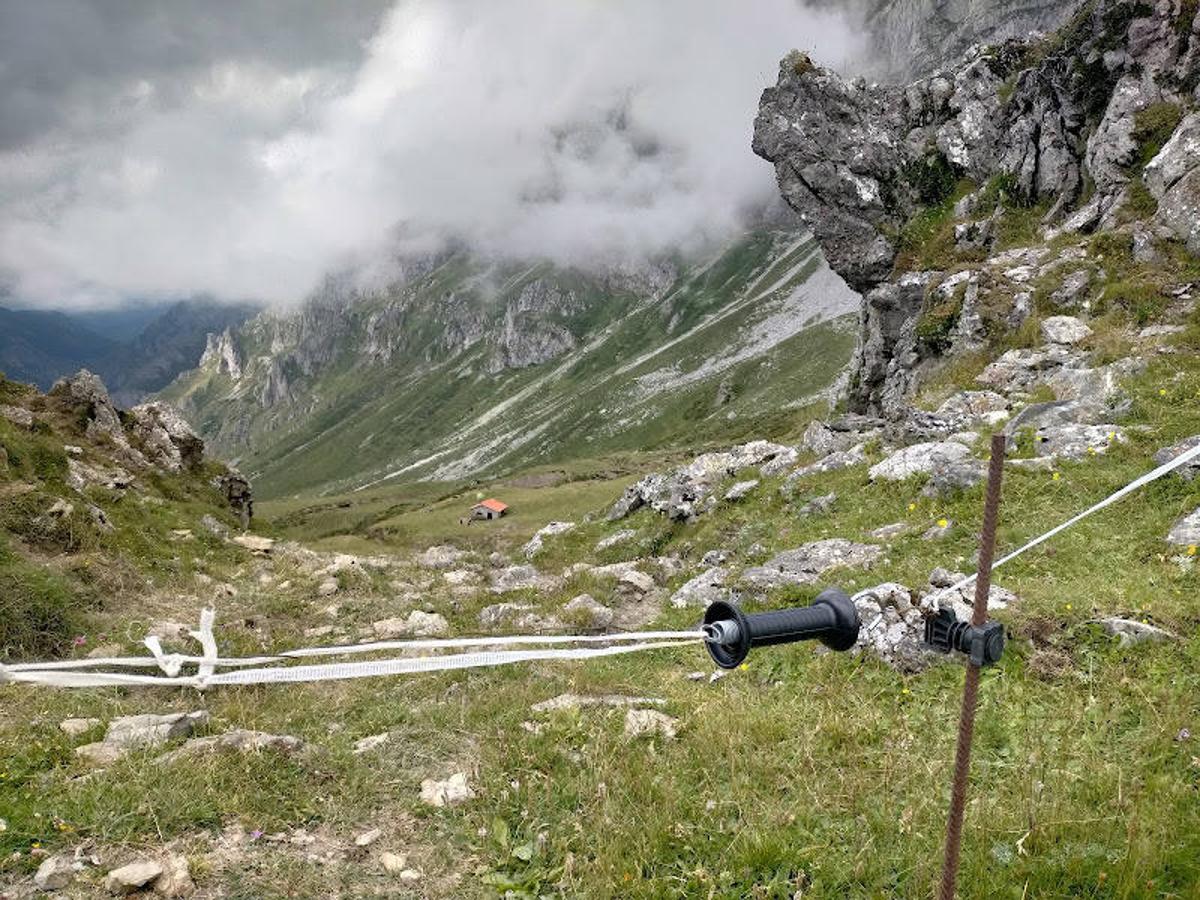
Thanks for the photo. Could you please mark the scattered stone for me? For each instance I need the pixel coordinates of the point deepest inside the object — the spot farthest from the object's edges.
(1187, 471)
(578, 701)
(618, 537)
(634, 584)
(887, 532)
(588, 613)
(817, 505)
(392, 863)
(1064, 330)
(60, 509)
(165, 437)
(1131, 632)
(327, 588)
(100, 517)
(100, 754)
(176, 879)
(450, 792)
(365, 745)
(442, 556)
(239, 740)
(55, 873)
(22, 418)
(537, 542)
(1186, 531)
(136, 732)
(72, 450)
(893, 626)
(255, 544)
(962, 600)
(972, 405)
(840, 459)
(503, 614)
(76, 727)
(806, 564)
(740, 489)
(639, 722)
(518, 578)
(1076, 441)
(367, 838)
(716, 557)
(1152, 331)
(319, 631)
(938, 531)
(132, 877)
(703, 590)
(417, 624)
(1071, 295)
(948, 477)
(919, 459)
(212, 525)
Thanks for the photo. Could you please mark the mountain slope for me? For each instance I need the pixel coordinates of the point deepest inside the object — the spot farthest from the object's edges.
(466, 367)
(39, 346)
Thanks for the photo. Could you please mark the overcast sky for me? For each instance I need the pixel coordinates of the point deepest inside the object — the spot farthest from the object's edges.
(161, 148)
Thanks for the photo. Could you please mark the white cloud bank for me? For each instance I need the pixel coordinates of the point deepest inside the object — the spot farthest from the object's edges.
(582, 130)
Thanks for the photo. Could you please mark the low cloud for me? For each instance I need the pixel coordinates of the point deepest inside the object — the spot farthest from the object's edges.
(589, 132)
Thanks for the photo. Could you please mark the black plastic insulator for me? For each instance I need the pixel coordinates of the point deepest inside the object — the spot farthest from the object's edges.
(983, 644)
(832, 619)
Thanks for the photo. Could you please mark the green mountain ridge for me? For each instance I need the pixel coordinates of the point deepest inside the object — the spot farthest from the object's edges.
(467, 367)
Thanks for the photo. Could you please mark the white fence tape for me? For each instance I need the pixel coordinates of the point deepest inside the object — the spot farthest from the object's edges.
(265, 669)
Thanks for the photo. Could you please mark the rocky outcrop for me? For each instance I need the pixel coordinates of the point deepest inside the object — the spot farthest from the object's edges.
(165, 438)
(910, 38)
(1036, 119)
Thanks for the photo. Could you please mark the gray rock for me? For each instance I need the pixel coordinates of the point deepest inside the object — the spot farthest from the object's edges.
(887, 532)
(588, 613)
(450, 792)
(650, 722)
(518, 578)
(970, 406)
(1132, 632)
(617, 537)
(147, 730)
(55, 873)
(20, 417)
(841, 459)
(948, 477)
(165, 438)
(817, 505)
(893, 627)
(416, 624)
(100, 754)
(1187, 471)
(537, 542)
(1073, 292)
(633, 584)
(1186, 531)
(1152, 331)
(238, 740)
(715, 558)
(1064, 330)
(741, 489)
(938, 531)
(919, 459)
(133, 877)
(703, 590)
(806, 564)
(582, 701)
(442, 556)
(1076, 441)
(176, 879)
(76, 727)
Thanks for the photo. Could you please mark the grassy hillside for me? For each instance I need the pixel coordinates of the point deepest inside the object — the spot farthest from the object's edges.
(805, 772)
(733, 345)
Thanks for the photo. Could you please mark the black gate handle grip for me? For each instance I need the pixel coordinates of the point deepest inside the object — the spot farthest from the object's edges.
(730, 633)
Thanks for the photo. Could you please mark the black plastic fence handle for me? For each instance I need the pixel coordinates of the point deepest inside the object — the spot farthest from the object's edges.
(832, 619)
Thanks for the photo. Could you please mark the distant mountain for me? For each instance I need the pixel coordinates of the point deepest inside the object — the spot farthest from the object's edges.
(38, 347)
(171, 343)
(467, 366)
(41, 346)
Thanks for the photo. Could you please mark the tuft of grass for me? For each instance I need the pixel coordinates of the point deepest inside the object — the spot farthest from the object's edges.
(1152, 128)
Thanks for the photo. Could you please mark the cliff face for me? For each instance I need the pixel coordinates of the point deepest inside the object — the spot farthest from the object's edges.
(911, 38)
(464, 365)
(1091, 128)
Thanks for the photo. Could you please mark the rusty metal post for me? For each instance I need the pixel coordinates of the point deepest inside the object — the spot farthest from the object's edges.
(966, 721)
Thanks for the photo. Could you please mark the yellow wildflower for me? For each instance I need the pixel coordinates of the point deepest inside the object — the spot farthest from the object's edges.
(1055, 477)
(942, 523)
(1191, 551)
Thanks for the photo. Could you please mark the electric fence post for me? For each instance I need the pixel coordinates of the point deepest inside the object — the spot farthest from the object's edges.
(984, 642)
